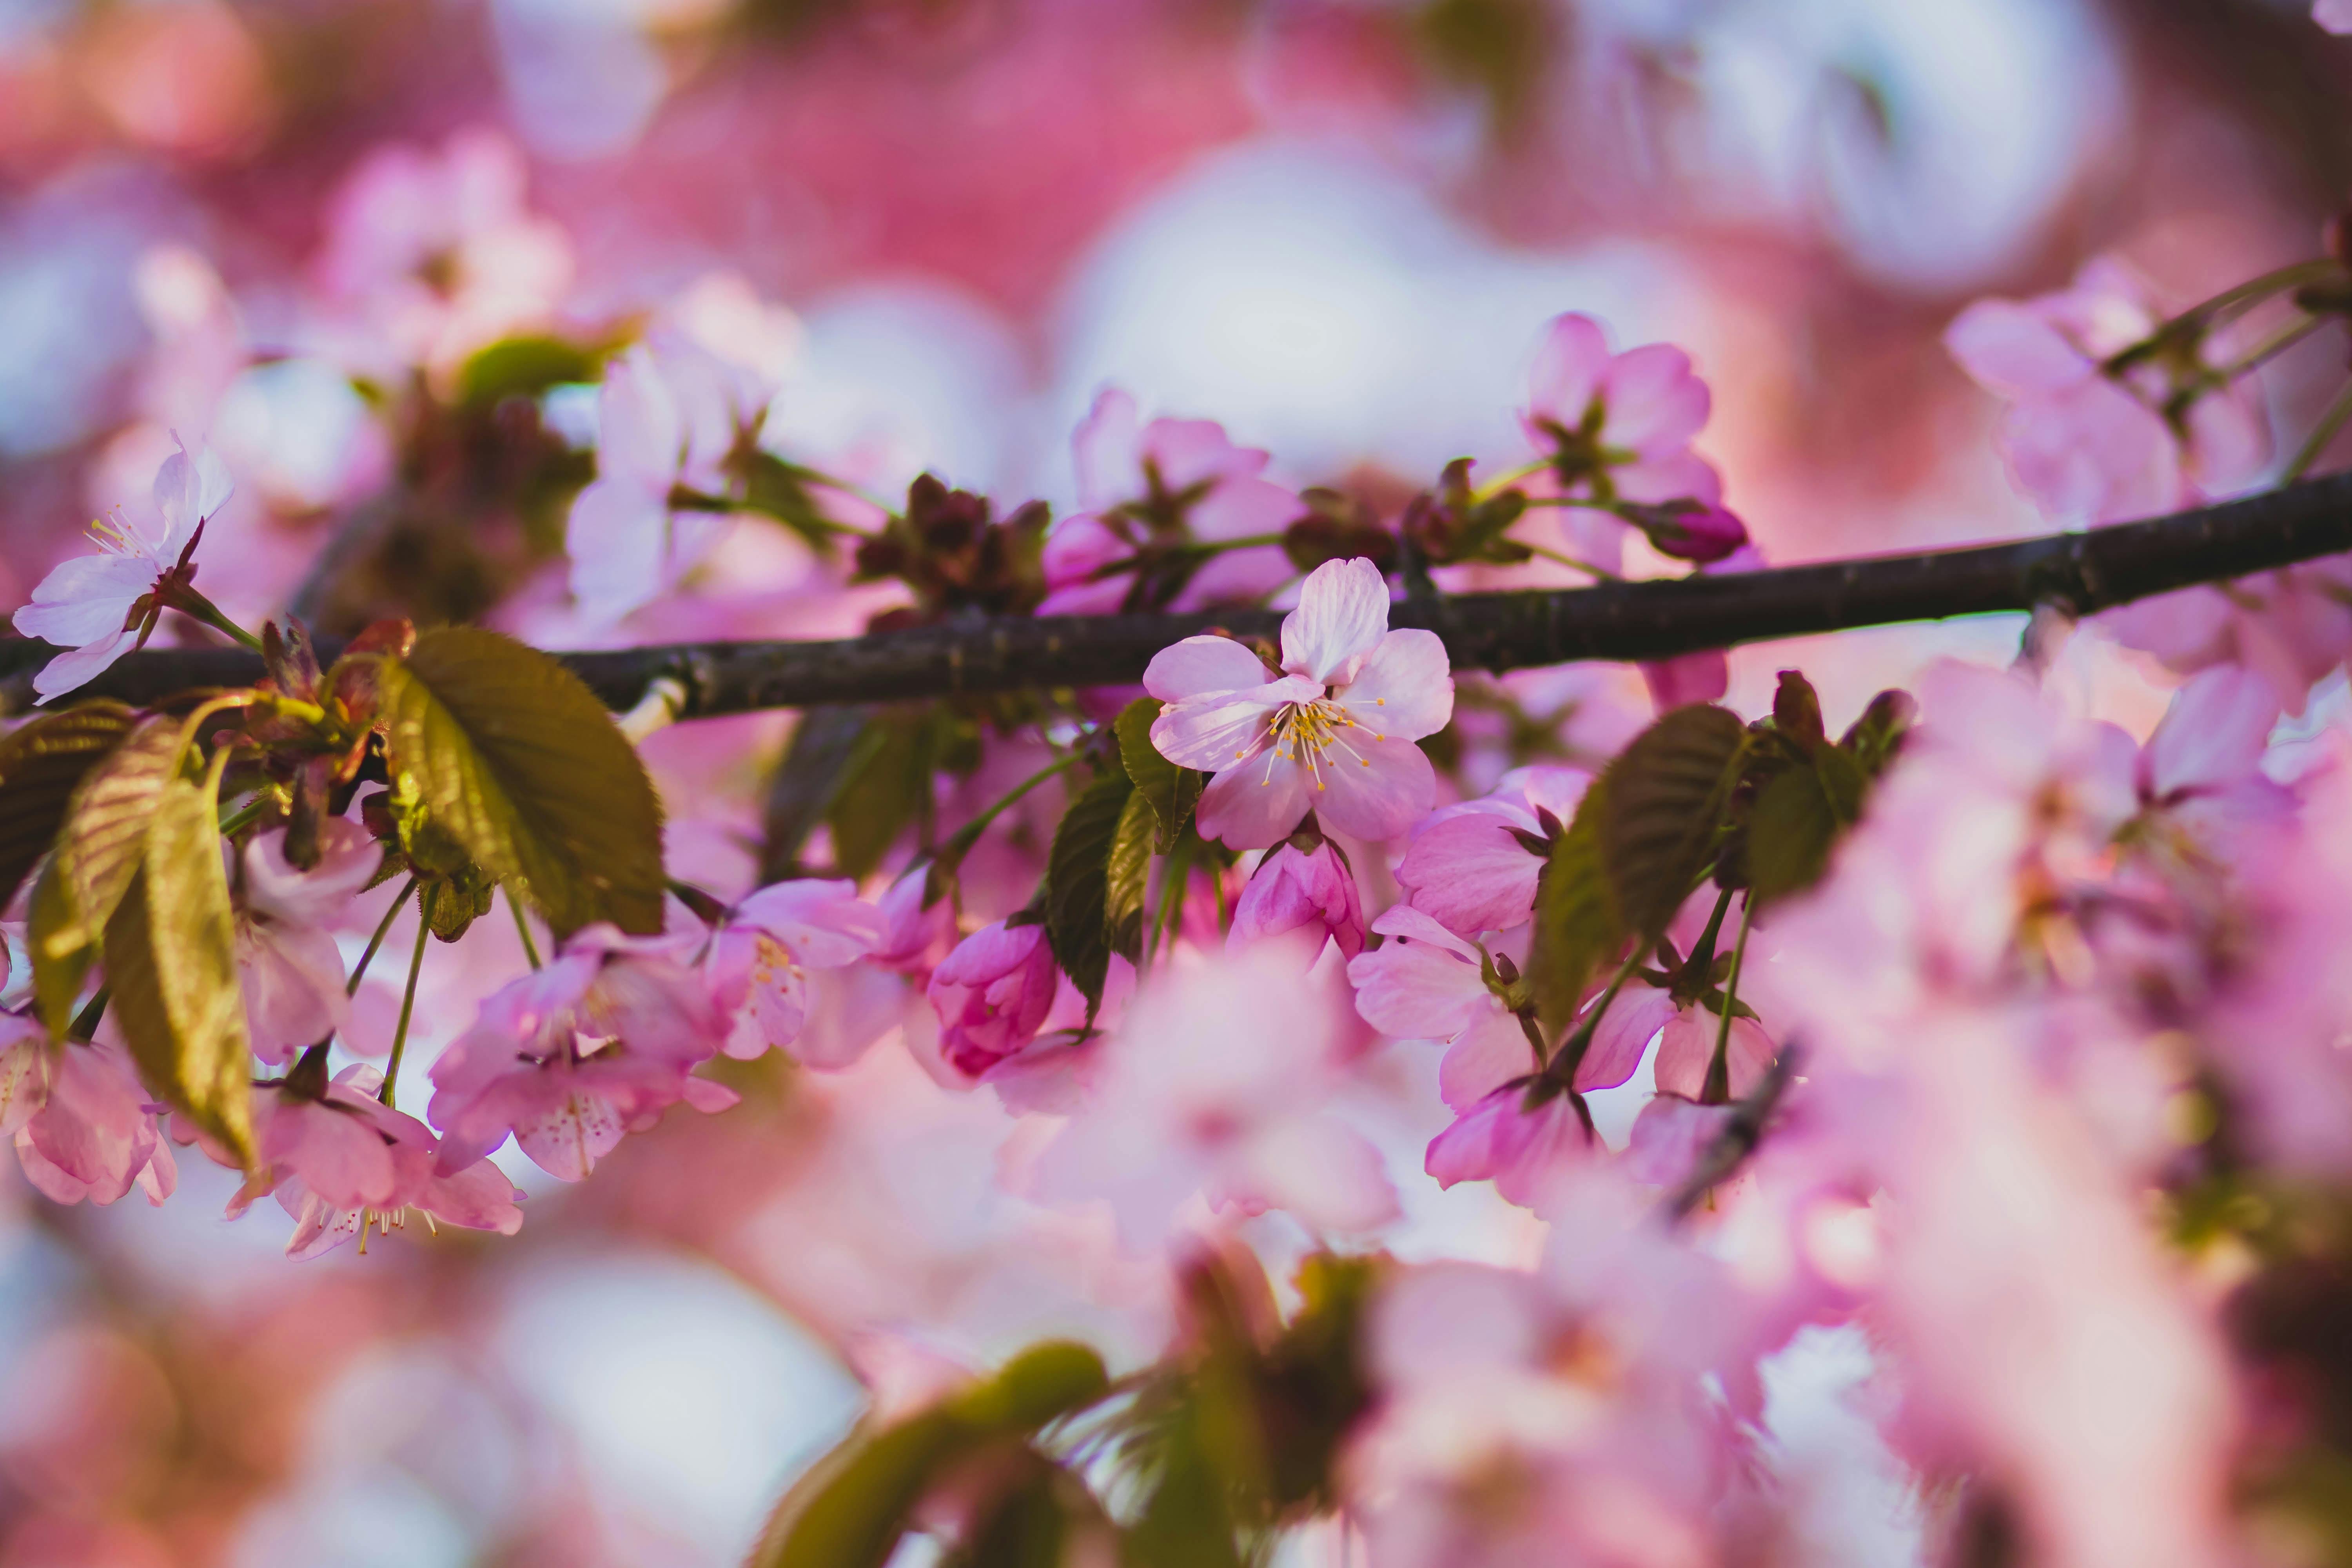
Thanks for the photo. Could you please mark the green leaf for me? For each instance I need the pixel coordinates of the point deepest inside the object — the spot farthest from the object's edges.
(1128, 876)
(782, 490)
(41, 765)
(1666, 795)
(105, 831)
(850, 1511)
(59, 965)
(1877, 736)
(1077, 881)
(1170, 791)
(523, 367)
(513, 757)
(171, 965)
(1577, 925)
(886, 785)
(807, 783)
(1790, 835)
(1796, 711)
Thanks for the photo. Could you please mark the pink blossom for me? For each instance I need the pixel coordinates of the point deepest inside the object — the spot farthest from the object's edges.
(992, 994)
(1473, 866)
(2087, 443)
(102, 606)
(81, 1122)
(2290, 626)
(569, 1060)
(1426, 983)
(1216, 1090)
(2335, 15)
(759, 957)
(670, 415)
(1669, 1136)
(1170, 482)
(1517, 1137)
(1687, 1049)
(292, 971)
(917, 928)
(1310, 891)
(340, 1162)
(1333, 734)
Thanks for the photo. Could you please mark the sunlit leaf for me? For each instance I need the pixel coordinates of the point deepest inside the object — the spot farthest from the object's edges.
(41, 765)
(1170, 791)
(1127, 877)
(514, 757)
(105, 831)
(523, 367)
(60, 960)
(1665, 800)
(1077, 881)
(171, 966)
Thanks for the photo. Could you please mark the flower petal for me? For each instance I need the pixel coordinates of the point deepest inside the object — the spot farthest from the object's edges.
(1404, 689)
(1342, 614)
(1377, 794)
(1198, 667)
(1254, 807)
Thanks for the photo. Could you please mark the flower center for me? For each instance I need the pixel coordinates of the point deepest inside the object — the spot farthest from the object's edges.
(1305, 732)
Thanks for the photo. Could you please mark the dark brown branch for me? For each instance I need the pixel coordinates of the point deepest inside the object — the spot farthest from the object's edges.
(1650, 620)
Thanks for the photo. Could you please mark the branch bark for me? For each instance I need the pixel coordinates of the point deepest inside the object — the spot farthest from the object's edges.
(2080, 572)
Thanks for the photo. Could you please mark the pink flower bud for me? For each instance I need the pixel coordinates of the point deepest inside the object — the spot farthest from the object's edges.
(992, 994)
(1312, 890)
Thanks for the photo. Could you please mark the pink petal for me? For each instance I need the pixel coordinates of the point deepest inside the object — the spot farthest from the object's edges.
(2213, 734)
(1079, 547)
(1375, 794)
(1414, 987)
(1103, 449)
(1668, 1137)
(1470, 873)
(188, 490)
(1624, 1032)
(80, 666)
(1687, 1047)
(1323, 1172)
(86, 599)
(2013, 350)
(1568, 368)
(569, 1134)
(1487, 1054)
(1342, 614)
(616, 541)
(1198, 666)
(1656, 404)
(1404, 689)
(1254, 806)
(1692, 677)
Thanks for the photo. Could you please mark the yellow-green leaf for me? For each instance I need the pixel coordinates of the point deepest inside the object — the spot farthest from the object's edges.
(1128, 876)
(1077, 881)
(105, 831)
(1665, 800)
(41, 765)
(170, 969)
(1577, 924)
(1170, 791)
(1788, 835)
(514, 758)
(60, 964)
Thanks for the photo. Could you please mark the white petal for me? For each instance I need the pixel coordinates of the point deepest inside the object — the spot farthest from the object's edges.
(1343, 612)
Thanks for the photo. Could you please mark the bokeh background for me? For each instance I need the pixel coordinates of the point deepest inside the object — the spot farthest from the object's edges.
(1337, 226)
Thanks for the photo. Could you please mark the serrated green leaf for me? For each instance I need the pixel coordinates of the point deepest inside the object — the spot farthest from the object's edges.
(60, 964)
(1172, 792)
(851, 1509)
(170, 968)
(1788, 836)
(522, 367)
(1077, 881)
(41, 765)
(105, 830)
(1577, 924)
(1665, 801)
(1128, 876)
(514, 758)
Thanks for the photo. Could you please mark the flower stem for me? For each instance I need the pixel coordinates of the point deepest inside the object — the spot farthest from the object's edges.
(1717, 1091)
(960, 844)
(408, 995)
(2321, 434)
(522, 927)
(243, 817)
(189, 602)
(1601, 573)
(351, 986)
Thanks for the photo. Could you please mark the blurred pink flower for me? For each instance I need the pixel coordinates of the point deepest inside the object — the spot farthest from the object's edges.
(1216, 1089)
(81, 1122)
(917, 929)
(2092, 444)
(1517, 1137)
(1426, 983)
(992, 994)
(759, 959)
(2335, 15)
(1473, 866)
(1312, 892)
(669, 416)
(570, 1059)
(292, 971)
(1687, 1049)
(2290, 626)
(102, 606)
(1350, 686)
(1170, 482)
(342, 1163)
(436, 254)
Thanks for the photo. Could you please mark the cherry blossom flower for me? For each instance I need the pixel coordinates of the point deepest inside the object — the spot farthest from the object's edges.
(917, 928)
(340, 1162)
(1426, 983)
(670, 418)
(1517, 1136)
(292, 971)
(2087, 443)
(102, 606)
(992, 994)
(1473, 866)
(1145, 491)
(1687, 1049)
(82, 1125)
(570, 1059)
(1216, 1091)
(2335, 15)
(759, 957)
(1334, 734)
(1309, 892)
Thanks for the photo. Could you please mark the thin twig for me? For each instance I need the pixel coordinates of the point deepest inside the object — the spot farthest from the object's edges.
(1731, 1147)
(1656, 619)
